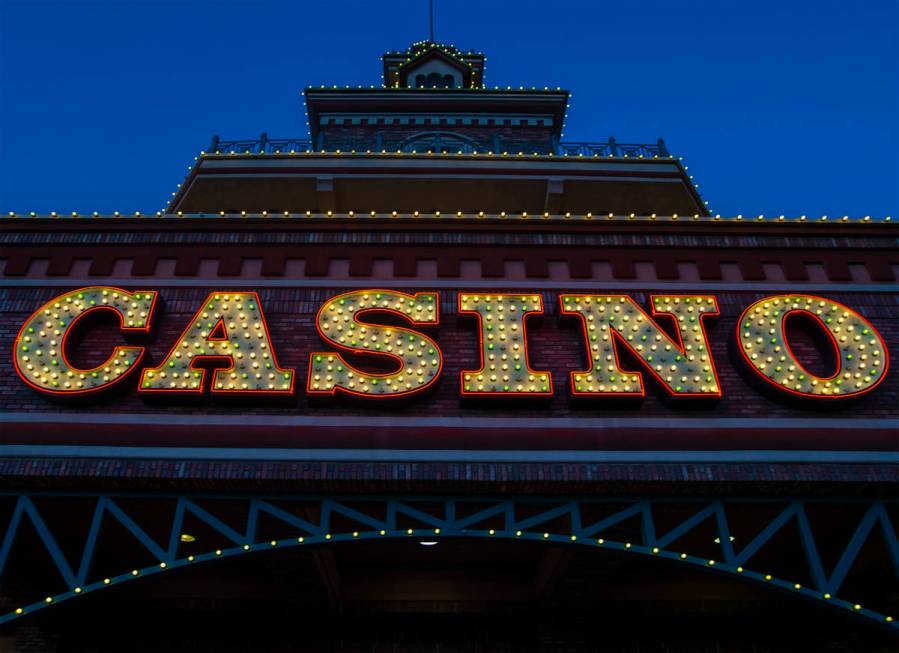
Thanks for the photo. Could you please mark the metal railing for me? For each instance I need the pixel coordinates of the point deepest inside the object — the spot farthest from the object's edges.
(614, 149)
(439, 142)
(260, 145)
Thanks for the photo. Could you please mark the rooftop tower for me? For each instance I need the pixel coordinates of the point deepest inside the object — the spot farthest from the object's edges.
(433, 137)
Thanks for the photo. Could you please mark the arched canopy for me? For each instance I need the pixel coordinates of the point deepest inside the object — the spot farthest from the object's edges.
(591, 523)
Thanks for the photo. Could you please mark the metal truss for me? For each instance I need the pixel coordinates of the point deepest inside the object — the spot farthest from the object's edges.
(573, 521)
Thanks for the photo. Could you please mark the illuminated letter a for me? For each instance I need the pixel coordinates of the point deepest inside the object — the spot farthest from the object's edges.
(229, 329)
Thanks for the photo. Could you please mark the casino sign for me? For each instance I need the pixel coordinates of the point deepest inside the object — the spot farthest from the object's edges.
(229, 334)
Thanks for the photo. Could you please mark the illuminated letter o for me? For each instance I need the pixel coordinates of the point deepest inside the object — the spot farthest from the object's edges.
(861, 353)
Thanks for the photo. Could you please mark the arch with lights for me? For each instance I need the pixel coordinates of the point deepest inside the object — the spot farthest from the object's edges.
(558, 521)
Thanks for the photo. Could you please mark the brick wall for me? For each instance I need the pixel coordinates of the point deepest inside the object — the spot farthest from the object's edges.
(315, 263)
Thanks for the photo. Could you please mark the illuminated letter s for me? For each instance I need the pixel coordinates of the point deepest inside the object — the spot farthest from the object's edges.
(419, 358)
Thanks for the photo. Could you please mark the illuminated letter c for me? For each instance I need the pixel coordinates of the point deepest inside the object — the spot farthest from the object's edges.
(40, 356)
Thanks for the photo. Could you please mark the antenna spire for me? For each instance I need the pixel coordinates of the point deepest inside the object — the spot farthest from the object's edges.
(431, 16)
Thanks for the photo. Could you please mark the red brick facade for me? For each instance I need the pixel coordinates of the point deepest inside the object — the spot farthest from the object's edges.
(296, 266)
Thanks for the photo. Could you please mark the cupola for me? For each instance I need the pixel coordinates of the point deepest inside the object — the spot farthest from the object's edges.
(433, 65)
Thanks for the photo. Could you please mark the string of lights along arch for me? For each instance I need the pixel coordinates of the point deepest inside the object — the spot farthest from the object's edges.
(229, 330)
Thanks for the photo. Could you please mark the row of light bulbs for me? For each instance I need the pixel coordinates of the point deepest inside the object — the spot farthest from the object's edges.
(358, 87)
(546, 536)
(452, 54)
(427, 44)
(458, 153)
(639, 217)
(419, 47)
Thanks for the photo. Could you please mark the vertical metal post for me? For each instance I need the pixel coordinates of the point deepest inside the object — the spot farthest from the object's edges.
(663, 151)
(214, 145)
(613, 146)
(431, 21)
(263, 141)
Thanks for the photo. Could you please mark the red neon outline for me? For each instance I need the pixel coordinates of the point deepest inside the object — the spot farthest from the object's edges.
(361, 351)
(200, 390)
(524, 338)
(617, 337)
(117, 350)
(807, 395)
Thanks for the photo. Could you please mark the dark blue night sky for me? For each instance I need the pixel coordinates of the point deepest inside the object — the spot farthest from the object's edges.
(776, 106)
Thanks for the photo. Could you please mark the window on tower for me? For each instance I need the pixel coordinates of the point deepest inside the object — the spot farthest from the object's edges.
(435, 80)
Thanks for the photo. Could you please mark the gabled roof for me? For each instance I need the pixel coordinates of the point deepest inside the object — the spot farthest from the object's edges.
(398, 63)
(429, 55)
